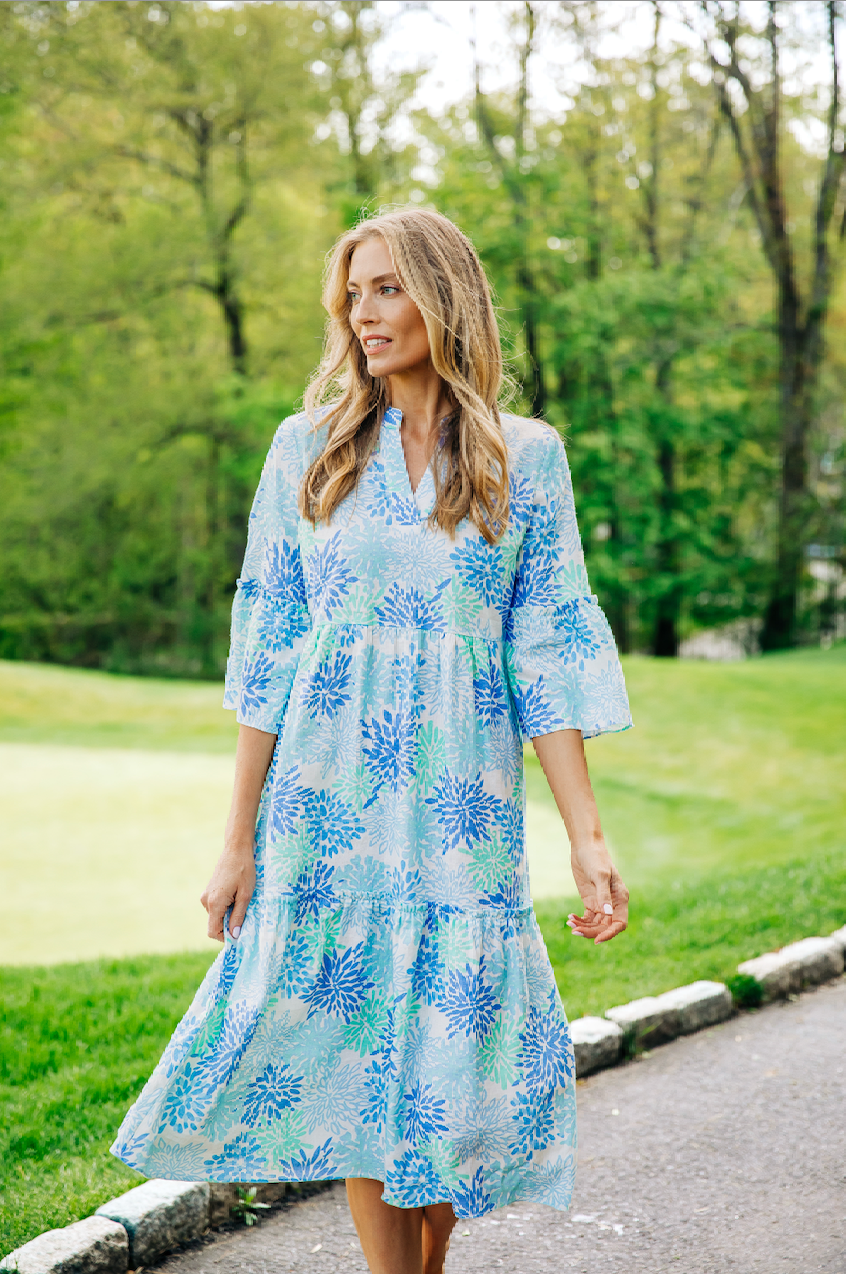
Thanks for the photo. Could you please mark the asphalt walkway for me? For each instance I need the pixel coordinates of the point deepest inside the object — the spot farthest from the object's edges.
(724, 1151)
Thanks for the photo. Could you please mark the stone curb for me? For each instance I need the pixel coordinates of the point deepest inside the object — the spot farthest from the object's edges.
(140, 1227)
(656, 1019)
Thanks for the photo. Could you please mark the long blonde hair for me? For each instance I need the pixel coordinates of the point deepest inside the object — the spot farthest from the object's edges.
(439, 269)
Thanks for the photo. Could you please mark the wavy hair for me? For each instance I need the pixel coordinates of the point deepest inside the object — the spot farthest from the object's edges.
(439, 269)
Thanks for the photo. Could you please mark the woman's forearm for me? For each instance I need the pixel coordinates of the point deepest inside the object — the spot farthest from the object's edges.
(605, 897)
(252, 761)
(562, 758)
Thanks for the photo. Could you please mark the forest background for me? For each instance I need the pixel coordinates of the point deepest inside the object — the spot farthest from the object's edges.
(666, 250)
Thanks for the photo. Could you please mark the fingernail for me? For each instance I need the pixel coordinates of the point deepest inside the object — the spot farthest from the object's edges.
(608, 909)
(576, 933)
(236, 932)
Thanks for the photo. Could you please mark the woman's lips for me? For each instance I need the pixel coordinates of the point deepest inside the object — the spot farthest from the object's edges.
(373, 344)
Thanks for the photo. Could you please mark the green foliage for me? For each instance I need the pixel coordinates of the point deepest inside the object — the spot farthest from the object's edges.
(173, 175)
(746, 991)
(246, 1207)
(77, 1043)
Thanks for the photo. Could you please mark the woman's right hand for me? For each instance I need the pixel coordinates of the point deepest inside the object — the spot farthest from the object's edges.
(231, 886)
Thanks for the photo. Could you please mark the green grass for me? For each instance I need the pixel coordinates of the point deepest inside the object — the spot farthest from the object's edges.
(77, 1041)
(725, 809)
(42, 703)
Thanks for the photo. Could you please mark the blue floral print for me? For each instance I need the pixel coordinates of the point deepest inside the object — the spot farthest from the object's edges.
(389, 1009)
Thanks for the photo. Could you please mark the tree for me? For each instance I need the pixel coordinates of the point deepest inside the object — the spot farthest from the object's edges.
(754, 110)
(508, 151)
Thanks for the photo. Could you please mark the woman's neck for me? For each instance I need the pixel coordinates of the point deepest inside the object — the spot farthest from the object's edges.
(422, 397)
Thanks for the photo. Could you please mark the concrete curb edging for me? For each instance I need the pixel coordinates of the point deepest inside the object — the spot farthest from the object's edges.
(141, 1226)
(656, 1019)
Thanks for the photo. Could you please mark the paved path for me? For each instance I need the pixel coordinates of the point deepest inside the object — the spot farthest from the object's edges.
(725, 1151)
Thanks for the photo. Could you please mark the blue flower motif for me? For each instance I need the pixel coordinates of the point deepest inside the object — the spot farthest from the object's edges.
(413, 1179)
(408, 608)
(314, 891)
(329, 577)
(283, 573)
(279, 627)
(534, 710)
(547, 1053)
(241, 1160)
(294, 973)
(287, 801)
(425, 1114)
(273, 1092)
(470, 1199)
(176, 1162)
(314, 1167)
(511, 825)
(489, 693)
(479, 564)
(533, 1123)
(579, 641)
(534, 583)
(220, 1062)
(427, 972)
(464, 810)
(325, 691)
(377, 1076)
(341, 984)
(256, 681)
(520, 496)
(332, 824)
(468, 1003)
(390, 749)
(186, 1104)
(226, 970)
(402, 510)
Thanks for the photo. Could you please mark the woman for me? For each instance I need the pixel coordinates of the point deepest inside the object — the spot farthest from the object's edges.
(413, 601)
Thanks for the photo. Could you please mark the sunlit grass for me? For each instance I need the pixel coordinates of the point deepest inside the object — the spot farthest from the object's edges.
(77, 1041)
(725, 808)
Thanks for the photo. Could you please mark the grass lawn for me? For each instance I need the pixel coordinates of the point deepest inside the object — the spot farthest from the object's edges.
(725, 809)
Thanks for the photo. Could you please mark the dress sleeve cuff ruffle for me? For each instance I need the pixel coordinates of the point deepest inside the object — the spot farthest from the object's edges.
(564, 670)
(268, 633)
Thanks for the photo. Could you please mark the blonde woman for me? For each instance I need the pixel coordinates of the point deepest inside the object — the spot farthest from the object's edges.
(413, 603)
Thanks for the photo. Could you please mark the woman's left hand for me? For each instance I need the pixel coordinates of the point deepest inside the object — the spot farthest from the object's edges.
(605, 897)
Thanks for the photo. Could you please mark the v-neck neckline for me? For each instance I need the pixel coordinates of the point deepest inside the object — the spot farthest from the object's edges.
(395, 468)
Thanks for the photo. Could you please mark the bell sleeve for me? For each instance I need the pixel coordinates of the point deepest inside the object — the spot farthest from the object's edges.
(270, 617)
(560, 654)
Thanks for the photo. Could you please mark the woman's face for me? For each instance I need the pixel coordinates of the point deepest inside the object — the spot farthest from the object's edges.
(383, 316)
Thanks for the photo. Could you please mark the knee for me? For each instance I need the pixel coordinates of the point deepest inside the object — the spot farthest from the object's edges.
(441, 1220)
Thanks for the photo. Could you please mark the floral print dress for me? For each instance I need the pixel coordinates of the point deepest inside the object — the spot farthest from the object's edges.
(389, 1010)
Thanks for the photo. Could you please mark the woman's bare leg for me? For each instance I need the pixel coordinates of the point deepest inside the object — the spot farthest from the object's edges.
(391, 1238)
(438, 1222)
(398, 1240)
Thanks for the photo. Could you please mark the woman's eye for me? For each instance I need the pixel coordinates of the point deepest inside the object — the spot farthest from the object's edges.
(352, 297)
(388, 288)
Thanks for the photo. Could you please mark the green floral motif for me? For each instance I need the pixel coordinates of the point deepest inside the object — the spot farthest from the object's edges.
(444, 1159)
(490, 862)
(431, 753)
(283, 1138)
(367, 1027)
(291, 854)
(461, 606)
(322, 934)
(209, 1031)
(456, 944)
(498, 1053)
(355, 786)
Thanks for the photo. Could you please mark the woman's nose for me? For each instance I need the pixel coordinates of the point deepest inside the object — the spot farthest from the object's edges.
(366, 310)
